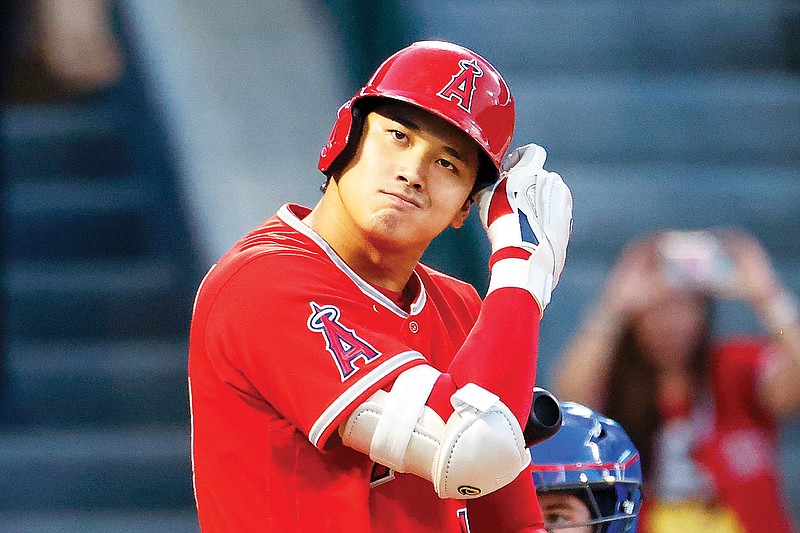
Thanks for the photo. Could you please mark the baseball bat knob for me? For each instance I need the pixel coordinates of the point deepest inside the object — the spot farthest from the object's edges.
(544, 420)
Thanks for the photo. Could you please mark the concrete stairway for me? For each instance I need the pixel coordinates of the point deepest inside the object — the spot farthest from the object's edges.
(100, 277)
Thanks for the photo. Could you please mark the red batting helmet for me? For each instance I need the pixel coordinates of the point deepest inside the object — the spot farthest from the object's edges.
(445, 79)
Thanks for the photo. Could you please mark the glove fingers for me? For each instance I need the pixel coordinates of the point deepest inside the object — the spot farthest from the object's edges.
(493, 202)
(555, 200)
(531, 156)
(510, 160)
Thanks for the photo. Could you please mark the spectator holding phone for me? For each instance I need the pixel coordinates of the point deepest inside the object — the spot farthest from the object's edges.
(703, 412)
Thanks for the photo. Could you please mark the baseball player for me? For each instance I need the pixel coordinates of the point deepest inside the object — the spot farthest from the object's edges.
(589, 475)
(338, 384)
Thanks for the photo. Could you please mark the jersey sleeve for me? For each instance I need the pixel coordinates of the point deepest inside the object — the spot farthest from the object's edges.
(288, 330)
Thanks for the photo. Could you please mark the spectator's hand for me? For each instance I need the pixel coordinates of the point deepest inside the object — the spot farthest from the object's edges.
(636, 281)
(754, 279)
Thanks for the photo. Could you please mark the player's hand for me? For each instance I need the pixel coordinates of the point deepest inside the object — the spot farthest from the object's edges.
(527, 215)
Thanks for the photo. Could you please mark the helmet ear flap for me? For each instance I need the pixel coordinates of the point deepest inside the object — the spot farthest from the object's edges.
(338, 140)
(346, 135)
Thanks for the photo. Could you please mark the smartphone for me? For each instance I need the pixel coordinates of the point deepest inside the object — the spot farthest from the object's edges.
(695, 260)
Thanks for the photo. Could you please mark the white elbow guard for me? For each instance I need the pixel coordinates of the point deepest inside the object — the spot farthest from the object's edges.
(479, 450)
(482, 448)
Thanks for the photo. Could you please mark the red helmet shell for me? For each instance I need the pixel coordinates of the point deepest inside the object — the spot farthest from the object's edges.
(447, 80)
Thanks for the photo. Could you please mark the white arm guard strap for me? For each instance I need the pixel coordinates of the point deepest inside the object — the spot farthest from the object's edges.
(402, 408)
(479, 450)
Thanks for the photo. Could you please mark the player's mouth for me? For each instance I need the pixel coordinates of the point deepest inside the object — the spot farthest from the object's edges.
(403, 199)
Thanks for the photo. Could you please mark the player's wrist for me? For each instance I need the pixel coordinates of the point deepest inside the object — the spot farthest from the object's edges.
(508, 253)
(505, 232)
(528, 274)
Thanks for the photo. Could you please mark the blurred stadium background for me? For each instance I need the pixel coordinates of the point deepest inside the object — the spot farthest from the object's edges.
(678, 114)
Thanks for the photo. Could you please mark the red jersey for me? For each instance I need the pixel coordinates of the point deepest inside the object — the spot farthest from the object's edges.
(286, 340)
(742, 450)
(738, 445)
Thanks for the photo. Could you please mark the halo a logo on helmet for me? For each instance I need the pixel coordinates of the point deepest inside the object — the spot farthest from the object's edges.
(462, 84)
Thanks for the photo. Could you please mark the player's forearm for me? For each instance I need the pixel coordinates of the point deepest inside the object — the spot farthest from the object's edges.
(781, 385)
(527, 215)
(500, 353)
(512, 509)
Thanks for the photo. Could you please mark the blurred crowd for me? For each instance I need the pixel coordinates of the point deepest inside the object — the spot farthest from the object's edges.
(58, 49)
(704, 411)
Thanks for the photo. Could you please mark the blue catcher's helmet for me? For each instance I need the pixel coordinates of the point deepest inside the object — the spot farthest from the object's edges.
(592, 458)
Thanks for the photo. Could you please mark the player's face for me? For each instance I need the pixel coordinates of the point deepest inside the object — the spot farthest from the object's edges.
(562, 509)
(410, 177)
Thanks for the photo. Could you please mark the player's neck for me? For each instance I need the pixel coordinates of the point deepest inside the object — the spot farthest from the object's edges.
(383, 271)
(376, 262)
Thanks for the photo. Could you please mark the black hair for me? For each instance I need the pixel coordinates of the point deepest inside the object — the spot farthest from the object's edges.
(632, 380)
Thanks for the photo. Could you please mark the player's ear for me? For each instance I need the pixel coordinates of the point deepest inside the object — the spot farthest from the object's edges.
(462, 214)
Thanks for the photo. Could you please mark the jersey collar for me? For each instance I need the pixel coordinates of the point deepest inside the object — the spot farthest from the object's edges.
(288, 213)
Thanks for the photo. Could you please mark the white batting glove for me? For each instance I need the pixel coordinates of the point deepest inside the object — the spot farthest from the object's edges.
(527, 216)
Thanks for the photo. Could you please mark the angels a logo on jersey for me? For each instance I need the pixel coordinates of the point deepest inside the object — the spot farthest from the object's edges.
(342, 343)
(462, 85)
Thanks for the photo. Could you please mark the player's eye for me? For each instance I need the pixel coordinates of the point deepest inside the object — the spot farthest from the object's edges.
(397, 134)
(447, 165)
(556, 517)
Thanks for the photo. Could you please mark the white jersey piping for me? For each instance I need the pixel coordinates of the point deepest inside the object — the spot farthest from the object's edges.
(286, 215)
(357, 389)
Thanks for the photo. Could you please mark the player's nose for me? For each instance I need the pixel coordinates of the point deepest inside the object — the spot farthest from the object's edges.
(412, 169)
